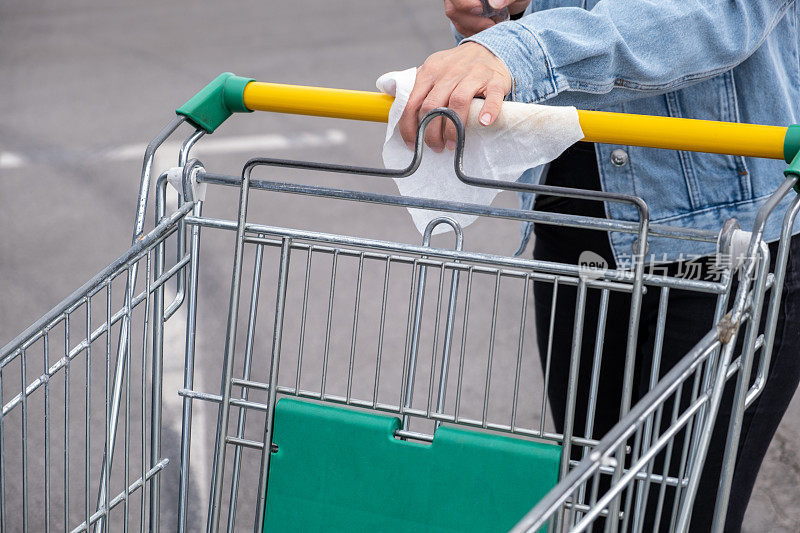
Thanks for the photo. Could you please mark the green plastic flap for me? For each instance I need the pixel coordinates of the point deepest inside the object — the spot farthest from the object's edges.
(216, 102)
(340, 470)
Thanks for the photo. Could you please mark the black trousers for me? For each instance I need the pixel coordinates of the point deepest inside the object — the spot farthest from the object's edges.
(689, 317)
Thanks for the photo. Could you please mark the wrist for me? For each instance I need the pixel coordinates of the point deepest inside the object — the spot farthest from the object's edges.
(532, 79)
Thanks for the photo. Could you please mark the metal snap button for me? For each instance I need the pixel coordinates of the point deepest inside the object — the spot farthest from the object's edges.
(619, 157)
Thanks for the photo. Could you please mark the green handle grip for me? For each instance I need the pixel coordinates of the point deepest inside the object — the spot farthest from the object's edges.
(216, 102)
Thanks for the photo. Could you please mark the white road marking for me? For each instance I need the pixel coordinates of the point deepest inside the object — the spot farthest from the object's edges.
(172, 403)
(250, 144)
(11, 160)
(242, 144)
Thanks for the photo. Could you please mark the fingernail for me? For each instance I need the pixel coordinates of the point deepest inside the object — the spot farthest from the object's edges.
(438, 149)
(450, 145)
(497, 4)
(410, 146)
(477, 10)
(485, 119)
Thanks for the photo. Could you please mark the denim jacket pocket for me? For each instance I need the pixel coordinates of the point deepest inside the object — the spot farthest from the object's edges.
(711, 179)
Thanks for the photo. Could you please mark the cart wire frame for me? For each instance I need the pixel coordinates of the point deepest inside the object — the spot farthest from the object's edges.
(684, 400)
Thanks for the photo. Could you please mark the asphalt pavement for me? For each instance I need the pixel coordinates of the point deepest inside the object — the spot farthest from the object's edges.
(85, 85)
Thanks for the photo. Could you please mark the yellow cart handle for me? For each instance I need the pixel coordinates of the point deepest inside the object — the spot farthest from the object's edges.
(229, 93)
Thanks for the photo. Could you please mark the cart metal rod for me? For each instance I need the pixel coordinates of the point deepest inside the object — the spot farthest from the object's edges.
(389, 408)
(651, 279)
(122, 354)
(418, 310)
(544, 271)
(130, 255)
(631, 473)
(136, 485)
(248, 358)
(775, 301)
(81, 346)
(537, 516)
(218, 468)
(742, 386)
(274, 368)
(104, 326)
(656, 230)
(141, 209)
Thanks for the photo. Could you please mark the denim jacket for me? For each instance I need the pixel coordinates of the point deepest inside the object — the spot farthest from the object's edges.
(728, 60)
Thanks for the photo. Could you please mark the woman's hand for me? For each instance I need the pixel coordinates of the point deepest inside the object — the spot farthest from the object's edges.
(452, 78)
(467, 15)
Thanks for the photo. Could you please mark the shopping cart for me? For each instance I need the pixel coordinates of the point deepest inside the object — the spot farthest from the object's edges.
(367, 383)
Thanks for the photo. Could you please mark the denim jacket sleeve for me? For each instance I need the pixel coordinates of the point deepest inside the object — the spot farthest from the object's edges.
(626, 49)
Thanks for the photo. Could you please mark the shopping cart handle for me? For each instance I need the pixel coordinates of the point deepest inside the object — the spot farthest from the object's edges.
(229, 94)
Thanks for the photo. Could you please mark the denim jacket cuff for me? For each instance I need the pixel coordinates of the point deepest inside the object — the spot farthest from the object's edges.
(520, 50)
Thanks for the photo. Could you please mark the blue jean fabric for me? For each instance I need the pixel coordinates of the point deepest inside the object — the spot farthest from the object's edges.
(728, 60)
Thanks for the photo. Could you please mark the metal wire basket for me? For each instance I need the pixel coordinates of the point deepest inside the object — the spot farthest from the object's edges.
(396, 348)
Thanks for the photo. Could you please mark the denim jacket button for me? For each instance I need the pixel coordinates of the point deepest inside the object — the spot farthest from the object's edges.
(619, 158)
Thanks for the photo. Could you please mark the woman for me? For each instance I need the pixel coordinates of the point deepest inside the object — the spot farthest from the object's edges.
(722, 60)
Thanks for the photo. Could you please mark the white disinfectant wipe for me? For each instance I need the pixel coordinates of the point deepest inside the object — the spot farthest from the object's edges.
(523, 136)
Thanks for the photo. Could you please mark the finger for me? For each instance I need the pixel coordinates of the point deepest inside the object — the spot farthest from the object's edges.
(438, 97)
(460, 102)
(468, 24)
(458, 7)
(491, 106)
(518, 6)
(409, 119)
